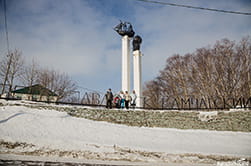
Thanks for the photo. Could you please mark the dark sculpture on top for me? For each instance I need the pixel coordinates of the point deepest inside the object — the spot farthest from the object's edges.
(124, 28)
(137, 40)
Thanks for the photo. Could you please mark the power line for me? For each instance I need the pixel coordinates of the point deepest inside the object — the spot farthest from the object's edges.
(194, 7)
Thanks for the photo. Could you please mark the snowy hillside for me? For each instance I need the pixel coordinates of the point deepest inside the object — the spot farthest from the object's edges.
(47, 132)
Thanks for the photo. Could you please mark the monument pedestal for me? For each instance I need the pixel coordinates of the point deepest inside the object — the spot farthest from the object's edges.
(137, 77)
(125, 63)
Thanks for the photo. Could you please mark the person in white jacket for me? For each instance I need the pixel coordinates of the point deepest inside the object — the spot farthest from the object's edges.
(133, 99)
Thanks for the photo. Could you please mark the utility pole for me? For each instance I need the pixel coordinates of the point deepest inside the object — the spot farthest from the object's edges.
(9, 55)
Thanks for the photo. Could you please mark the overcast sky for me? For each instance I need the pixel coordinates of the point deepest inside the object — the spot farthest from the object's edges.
(77, 36)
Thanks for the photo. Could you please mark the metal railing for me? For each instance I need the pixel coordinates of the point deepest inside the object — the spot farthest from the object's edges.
(240, 103)
(95, 99)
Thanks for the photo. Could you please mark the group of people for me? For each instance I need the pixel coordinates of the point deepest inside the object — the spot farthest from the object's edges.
(121, 100)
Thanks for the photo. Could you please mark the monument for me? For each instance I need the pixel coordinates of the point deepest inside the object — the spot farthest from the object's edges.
(125, 29)
(137, 73)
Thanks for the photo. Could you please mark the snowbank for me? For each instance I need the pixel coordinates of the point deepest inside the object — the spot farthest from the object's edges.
(50, 129)
(207, 116)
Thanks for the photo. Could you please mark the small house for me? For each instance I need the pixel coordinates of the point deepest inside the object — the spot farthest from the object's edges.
(35, 93)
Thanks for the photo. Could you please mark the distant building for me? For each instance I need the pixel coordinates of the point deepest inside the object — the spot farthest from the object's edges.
(35, 93)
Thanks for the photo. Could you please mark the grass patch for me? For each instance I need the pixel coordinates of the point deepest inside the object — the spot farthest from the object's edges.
(223, 121)
(232, 121)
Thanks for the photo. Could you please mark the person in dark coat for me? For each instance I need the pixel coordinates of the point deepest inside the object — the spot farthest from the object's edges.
(109, 98)
(127, 99)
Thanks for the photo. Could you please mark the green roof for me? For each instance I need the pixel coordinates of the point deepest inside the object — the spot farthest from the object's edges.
(35, 90)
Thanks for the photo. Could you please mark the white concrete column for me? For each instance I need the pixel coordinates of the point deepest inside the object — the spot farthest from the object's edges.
(137, 77)
(126, 63)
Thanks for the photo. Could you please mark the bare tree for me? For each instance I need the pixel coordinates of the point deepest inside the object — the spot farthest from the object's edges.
(244, 67)
(59, 83)
(221, 71)
(30, 74)
(152, 94)
(202, 77)
(11, 68)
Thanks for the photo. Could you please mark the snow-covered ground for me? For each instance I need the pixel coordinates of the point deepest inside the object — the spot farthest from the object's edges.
(57, 131)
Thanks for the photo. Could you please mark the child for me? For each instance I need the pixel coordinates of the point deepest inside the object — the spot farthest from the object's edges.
(122, 99)
(117, 101)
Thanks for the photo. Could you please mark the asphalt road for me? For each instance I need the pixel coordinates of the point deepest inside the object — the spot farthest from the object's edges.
(48, 163)
(20, 160)
(44, 163)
